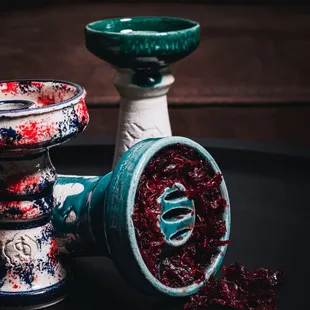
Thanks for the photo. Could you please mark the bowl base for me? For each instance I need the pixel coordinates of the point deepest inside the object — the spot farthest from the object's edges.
(36, 299)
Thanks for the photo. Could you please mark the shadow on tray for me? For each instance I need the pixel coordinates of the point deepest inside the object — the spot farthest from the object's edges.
(98, 285)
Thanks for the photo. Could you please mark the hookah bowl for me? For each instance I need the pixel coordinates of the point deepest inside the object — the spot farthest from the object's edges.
(141, 49)
(34, 116)
(94, 215)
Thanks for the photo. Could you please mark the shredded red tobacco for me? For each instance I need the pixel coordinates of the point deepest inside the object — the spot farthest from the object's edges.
(184, 265)
(239, 289)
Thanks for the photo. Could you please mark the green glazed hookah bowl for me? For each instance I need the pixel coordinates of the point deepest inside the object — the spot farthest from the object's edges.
(142, 49)
(34, 116)
(96, 215)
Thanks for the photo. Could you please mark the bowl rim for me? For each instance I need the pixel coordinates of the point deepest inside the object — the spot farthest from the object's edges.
(81, 94)
(193, 26)
(149, 147)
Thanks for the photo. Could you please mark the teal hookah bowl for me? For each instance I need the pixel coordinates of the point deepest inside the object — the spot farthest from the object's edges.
(142, 50)
(99, 215)
(35, 115)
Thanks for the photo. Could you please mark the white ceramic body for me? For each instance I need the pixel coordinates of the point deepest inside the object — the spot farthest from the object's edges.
(143, 110)
(34, 116)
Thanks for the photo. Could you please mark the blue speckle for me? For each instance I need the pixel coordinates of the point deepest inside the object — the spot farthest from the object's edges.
(46, 185)
(43, 186)
(11, 211)
(46, 235)
(2, 271)
(25, 271)
(75, 123)
(47, 266)
(70, 125)
(45, 204)
(9, 135)
(62, 128)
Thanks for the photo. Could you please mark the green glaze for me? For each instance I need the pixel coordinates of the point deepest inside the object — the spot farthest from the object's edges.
(142, 42)
(177, 229)
(104, 208)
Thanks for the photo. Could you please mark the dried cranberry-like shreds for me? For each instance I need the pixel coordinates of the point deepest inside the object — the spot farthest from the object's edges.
(184, 265)
(239, 289)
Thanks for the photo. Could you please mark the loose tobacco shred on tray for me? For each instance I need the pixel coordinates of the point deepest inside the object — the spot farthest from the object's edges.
(185, 265)
(239, 289)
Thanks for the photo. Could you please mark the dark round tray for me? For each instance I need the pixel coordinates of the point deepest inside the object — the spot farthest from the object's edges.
(270, 210)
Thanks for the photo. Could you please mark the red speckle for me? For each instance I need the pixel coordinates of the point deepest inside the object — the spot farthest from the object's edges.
(33, 132)
(45, 100)
(20, 185)
(11, 87)
(39, 85)
(82, 112)
(64, 86)
(53, 252)
(25, 210)
(30, 132)
(15, 286)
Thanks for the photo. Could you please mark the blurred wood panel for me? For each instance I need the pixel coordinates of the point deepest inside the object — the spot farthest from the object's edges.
(248, 54)
(279, 126)
(250, 57)
(30, 4)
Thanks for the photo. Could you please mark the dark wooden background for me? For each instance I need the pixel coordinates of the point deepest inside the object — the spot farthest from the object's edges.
(249, 80)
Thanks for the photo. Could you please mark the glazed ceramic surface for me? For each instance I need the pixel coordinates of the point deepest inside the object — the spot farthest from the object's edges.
(141, 49)
(142, 42)
(78, 214)
(96, 213)
(34, 115)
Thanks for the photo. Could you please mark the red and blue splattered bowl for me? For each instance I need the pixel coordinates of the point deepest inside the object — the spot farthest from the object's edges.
(40, 113)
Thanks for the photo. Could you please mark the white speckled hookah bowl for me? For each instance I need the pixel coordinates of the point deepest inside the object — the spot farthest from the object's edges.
(34, 116)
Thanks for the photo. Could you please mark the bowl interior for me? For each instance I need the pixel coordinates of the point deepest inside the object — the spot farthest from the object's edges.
(15, 94)
(143, 25)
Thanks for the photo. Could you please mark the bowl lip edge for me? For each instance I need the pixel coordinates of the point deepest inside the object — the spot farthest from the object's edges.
(194, 26)
(81, 94)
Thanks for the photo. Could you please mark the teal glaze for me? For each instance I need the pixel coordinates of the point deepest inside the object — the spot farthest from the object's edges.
(142, 42)
(79, 200)
(104, 206)
(119, 204)
(96, 215)
(175, 226)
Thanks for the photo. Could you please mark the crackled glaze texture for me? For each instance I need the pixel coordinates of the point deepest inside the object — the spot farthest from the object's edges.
(34, 115)
(141, 49)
